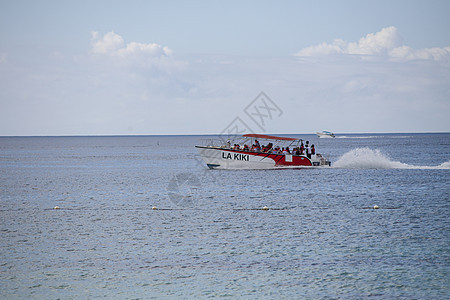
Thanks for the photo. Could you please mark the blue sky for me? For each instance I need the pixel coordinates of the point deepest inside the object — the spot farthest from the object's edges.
(191, 67)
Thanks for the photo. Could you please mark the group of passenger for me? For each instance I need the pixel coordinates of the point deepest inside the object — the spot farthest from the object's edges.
(269, 148)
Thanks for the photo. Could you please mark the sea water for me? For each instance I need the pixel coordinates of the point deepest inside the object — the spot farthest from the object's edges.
(141, 217)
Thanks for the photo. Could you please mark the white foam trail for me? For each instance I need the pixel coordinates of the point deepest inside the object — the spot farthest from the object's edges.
(357, 137)
(366, 158)
(372, 137)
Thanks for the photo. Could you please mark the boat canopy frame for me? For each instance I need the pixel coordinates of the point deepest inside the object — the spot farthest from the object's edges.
(245, 138)
(269, 137)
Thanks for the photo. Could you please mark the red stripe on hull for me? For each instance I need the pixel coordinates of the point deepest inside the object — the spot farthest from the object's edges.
(296, 161)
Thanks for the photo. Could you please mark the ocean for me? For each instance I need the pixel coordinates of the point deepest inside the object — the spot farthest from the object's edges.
(142, 217)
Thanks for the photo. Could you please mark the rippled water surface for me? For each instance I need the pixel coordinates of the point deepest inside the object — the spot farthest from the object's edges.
(142, 217)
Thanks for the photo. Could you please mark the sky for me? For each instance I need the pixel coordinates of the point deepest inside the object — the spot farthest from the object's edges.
(202, 67)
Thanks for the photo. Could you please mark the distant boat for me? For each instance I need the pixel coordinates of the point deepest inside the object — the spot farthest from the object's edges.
(325, 134)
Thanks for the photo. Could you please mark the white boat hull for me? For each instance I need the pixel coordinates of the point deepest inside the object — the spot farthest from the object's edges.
(325, 135)
(222, 158)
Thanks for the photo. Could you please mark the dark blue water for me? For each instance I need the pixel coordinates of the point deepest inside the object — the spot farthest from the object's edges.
(209, 237)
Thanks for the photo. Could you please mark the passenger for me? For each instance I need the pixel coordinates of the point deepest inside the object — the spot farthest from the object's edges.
(284, 151)
(257, 143)
(302, 149)
(313, 150)
(287, 150)
(245, 147)
(308, 150)
(297, 152)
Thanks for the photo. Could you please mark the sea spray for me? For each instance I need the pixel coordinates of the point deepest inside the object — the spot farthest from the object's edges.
(366, 158)
(445, 165)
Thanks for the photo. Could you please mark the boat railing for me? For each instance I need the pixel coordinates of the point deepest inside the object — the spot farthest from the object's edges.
(213, 142)
(223, 141)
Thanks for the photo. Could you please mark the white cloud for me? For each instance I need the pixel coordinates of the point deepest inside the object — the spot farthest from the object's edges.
(108, 44)
(149, 49)
(408, 53)
(378, 43)
(113, 45)
(386, 42)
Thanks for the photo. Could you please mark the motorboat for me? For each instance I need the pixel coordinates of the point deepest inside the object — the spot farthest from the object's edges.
(248, 152)
(325, 134)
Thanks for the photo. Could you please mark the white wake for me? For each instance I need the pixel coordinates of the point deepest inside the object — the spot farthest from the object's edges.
(366, 158)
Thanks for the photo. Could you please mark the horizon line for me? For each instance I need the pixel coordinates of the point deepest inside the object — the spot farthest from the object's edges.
(211, 134)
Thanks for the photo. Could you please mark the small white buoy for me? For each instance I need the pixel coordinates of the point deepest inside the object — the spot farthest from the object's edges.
(154, 208)
(56, 207)
(376, 207)
(265, 208)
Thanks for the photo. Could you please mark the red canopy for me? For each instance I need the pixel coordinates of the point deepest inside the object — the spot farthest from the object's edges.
(269, 137)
